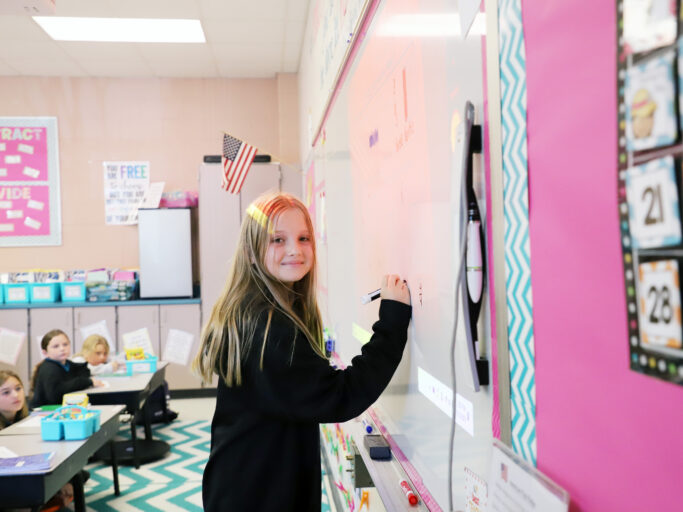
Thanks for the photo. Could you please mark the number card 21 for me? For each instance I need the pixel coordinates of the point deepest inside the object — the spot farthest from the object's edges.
(653, 204)
(659, 297)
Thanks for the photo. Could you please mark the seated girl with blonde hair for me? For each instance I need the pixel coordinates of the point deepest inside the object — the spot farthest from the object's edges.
(95, 352)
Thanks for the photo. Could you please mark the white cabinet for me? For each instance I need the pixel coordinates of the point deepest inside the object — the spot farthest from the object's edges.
(132, 318)
(17, 320)
(186, 318)
(87, 316)
(43, 320)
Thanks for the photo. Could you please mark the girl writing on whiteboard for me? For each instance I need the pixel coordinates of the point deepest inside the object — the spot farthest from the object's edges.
(264, 340)
(56, 374)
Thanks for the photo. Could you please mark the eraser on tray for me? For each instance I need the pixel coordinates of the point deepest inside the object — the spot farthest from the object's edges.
(377, 447)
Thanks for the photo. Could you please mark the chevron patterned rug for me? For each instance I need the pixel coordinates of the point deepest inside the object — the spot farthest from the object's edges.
(170, 484)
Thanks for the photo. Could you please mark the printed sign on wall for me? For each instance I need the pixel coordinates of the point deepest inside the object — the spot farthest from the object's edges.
(29, 182)
(125, 186)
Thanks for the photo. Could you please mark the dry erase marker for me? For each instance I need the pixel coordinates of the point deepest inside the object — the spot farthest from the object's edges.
(367, 426)
(369, 297)
(405, 487)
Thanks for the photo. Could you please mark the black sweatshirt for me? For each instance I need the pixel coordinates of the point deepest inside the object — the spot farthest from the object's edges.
(265, 441)
(53, 381)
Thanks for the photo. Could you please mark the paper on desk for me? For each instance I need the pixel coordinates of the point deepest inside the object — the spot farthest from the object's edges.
(97, 328)
(11, 343)
(31, 422)
(138, 339)
(178, 346)
(6, 452)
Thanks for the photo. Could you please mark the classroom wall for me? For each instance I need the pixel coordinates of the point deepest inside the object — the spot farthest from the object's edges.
(609, 435)
(170, 122)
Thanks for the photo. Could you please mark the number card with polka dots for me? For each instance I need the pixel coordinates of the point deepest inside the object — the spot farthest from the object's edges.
(659, 299)
(652, 197)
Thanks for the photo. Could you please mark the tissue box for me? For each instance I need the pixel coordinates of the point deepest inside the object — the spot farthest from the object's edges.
(72, 291)
(44, 292)
(70, 422)
(16, 293)
(146, 365)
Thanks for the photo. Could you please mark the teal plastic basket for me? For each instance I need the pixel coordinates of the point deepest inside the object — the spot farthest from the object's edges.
(71, 423)
(146, 365)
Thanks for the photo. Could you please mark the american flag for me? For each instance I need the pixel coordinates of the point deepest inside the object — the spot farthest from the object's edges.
(237, 158)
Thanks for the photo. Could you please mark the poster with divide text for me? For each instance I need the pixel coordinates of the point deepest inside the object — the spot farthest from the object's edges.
(30, 212)
(125, 185)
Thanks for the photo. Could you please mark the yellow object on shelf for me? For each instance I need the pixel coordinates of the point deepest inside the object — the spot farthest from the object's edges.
(135, 353)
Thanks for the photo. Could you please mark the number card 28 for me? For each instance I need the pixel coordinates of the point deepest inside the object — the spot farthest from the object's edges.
(653, 204)
(659, 297)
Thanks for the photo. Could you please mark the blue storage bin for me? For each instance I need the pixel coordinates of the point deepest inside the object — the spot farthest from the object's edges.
(17, 293)
(44, 292)
(2, 293)
(71, 423)
(146, 365)
(51, 429)
(72, 291)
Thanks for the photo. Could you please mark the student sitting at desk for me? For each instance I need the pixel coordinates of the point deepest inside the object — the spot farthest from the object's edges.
(12, 409)
(264, 340)
(95, 352)
(56, 374)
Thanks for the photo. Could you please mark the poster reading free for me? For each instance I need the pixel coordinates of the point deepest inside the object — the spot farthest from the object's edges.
(29, 182)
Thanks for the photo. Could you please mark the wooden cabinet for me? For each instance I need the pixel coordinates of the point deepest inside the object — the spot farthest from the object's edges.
(43, 320)
(85, 317)
(186, 318)
(133, 318)
(17, 320)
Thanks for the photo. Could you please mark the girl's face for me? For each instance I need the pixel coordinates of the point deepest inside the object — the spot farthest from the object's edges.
(98, 356)
(11, 398)
(58, 349)
(289, 256)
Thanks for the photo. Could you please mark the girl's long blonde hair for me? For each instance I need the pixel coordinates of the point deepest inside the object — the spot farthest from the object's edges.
(227, 337)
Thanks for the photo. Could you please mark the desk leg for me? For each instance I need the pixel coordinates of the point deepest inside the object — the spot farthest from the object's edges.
(114, 468)
(134, 439)
(79, 496)
(148, 422)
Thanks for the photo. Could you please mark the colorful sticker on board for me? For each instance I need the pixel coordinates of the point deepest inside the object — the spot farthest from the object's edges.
(649, 98)
(653, 204)
(659, 299)
(648, 24)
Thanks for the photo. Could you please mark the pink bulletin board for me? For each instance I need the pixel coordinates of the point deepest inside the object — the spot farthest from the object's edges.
(29, 182)
(610, 436)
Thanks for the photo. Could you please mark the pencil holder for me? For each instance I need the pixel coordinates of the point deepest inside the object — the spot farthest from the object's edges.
(70, 422)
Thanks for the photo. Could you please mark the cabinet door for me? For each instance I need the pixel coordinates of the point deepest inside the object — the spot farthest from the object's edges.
(132, 318)
(185, 318)
(17, 320)
(45, 320)
(85, 320)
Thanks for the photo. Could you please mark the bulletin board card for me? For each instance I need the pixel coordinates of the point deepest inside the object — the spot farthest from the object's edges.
(30, 206)
(383, 188)
(650, 94)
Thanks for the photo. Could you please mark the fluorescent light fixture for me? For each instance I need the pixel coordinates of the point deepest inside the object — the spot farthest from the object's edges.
(124, 30)
(430, 25)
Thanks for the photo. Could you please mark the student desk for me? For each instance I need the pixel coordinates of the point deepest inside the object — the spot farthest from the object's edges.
(34, 489)
(133, 391)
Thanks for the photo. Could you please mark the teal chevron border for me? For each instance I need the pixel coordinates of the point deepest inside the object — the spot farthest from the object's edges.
(516, 230)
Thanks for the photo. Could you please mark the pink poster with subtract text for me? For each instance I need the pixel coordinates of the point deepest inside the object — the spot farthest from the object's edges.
(29, 182)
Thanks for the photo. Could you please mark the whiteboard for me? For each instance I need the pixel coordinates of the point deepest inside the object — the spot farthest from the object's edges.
(383, 184)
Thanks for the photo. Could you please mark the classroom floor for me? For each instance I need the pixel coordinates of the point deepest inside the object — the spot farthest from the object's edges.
(170, 484)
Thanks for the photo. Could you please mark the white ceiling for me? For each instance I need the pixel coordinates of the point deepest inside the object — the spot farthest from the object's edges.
(244, 38)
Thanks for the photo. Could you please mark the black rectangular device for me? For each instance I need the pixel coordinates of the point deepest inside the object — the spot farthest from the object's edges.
(377, 447)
